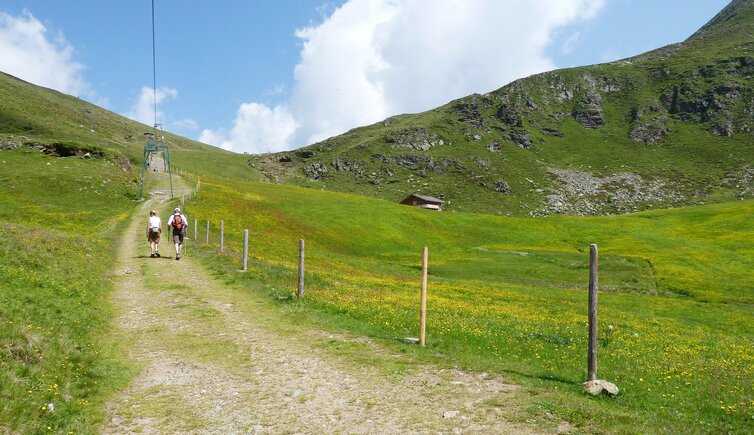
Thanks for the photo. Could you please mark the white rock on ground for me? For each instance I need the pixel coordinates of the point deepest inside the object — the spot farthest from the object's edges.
(599, 386)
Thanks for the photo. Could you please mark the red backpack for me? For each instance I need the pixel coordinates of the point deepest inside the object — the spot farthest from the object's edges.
(178, 222)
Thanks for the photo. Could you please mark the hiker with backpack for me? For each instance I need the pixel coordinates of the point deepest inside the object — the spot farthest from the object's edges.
(178, 223)
(154, 230)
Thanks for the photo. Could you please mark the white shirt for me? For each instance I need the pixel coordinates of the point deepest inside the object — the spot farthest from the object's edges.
(154, 222)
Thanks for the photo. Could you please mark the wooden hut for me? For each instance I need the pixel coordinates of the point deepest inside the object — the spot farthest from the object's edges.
(424, 201)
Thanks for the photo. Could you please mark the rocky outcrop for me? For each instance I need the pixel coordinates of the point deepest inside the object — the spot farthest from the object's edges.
(510, 115)
(344, 165)
(9, 144)
(470, 112)
(520, 138)
(716, 99)
(502, 187)
(443, 165)
(684, 102)
(419, 139)
(588, 112)
(649, 124)
(603, 84)
(558, 87)
(552, 131)
(722, 128)
(53, 149)
(413, 163)
(649, 133)
(315, 171)
(494, 147)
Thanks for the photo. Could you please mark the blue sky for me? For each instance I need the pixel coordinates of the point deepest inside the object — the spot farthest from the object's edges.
(256, 76)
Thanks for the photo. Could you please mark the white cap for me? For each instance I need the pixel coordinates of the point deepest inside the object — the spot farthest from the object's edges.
(178, 209)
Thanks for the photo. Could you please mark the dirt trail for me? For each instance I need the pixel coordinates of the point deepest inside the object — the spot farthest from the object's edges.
(212, 360)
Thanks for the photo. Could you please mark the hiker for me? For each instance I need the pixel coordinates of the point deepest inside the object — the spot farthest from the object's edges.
(154, 230)
(178, 223)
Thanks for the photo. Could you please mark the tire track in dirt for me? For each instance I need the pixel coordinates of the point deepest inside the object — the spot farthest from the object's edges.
(209, 362)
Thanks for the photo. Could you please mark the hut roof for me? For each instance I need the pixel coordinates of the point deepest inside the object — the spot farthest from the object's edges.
(426, 198)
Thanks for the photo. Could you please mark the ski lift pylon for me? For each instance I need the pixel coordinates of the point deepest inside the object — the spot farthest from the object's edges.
(155, 146)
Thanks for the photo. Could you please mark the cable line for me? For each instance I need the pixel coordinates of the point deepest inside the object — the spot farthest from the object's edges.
(154, 70)
(155, 144)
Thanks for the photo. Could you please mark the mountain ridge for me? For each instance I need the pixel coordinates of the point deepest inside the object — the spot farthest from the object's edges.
(732, 11)
(670, 127)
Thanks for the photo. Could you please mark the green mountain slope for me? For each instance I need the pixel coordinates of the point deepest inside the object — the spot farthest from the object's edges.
(58, 124)
(671, 127)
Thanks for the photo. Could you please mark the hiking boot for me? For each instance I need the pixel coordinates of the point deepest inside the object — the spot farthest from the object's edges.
(157, 254)
(151, 255)
(177, 257)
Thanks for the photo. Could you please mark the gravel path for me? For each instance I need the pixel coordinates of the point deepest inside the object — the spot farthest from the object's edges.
(212, 360)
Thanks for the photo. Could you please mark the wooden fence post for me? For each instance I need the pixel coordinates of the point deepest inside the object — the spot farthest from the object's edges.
(222, 236)
(423, 309)
(207, 241)
(301, 269)
(592, 352)
(245, 249)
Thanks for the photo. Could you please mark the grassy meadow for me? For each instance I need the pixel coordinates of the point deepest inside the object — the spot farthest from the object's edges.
(508, 295)
(59, 222)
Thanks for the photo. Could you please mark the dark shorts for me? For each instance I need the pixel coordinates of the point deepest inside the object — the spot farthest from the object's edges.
(177, 237)
(154, 236)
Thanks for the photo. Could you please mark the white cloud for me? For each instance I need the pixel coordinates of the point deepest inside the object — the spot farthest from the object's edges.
(217, 138)
(29, 54)
(570, 43)
(257, 129)
(371, 59)
(143, 108)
